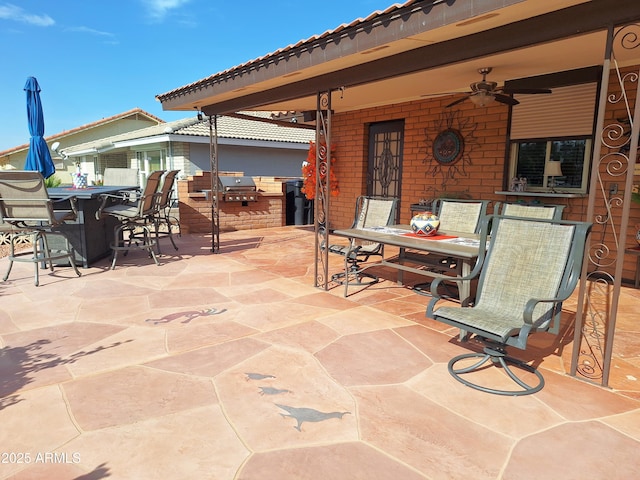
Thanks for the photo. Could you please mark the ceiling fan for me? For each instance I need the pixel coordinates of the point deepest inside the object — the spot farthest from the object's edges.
(484, 92)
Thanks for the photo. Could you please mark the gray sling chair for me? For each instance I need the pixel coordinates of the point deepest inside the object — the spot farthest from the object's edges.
(530, 267)
(120, 177)
(133, 217)
(26, 211)
(370, 212)
(461, 216)
(530, 211)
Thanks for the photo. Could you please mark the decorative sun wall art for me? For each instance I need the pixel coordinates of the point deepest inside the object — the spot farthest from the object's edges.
(449, 141)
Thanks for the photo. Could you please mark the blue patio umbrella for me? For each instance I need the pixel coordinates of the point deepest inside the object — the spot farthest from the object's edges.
(38, 157)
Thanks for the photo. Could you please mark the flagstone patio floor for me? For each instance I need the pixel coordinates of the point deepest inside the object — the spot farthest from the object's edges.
(234, 366)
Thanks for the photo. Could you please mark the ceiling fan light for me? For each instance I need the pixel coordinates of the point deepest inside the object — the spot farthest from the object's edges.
(482, 99)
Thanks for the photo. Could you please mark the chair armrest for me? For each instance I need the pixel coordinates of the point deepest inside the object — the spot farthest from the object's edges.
(485, 230)
(105, 197)
(73, 202)
(436, 297)
(527, 315)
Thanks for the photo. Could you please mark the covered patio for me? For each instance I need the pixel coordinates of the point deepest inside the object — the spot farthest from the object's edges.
(233, 366)
(393, 91)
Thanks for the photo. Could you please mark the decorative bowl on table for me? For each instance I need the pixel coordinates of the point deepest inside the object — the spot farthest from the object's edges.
(425, 223)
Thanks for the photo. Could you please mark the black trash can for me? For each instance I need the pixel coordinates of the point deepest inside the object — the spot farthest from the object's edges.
(299, 210)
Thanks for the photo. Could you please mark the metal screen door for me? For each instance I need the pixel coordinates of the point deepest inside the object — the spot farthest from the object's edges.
(385, 159)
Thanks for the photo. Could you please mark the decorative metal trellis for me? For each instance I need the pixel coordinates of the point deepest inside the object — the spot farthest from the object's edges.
(614, 158)
(323, 188)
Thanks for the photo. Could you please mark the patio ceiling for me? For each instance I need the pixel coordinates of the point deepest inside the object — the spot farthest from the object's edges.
(416, 50)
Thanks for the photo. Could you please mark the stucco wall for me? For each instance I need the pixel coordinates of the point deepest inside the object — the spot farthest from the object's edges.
(253, 161)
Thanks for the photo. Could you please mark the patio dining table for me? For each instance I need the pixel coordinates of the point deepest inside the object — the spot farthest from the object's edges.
(90, 237)
(463, 247)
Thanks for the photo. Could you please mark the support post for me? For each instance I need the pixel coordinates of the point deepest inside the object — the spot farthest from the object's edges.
(213, 161)
(323, 189)
(614, 156)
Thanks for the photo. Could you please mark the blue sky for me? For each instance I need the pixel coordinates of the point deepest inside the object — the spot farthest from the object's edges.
(96, 58)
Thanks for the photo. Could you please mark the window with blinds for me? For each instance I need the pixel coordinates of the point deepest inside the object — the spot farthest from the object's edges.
(556, 127)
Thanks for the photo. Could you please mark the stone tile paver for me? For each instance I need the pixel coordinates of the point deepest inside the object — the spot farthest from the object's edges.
(233, 366)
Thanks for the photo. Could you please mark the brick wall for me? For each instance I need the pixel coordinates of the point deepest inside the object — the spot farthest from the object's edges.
(195, 206)
(480, 174)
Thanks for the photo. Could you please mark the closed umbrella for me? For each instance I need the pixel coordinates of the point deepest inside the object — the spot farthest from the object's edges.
(38, 157)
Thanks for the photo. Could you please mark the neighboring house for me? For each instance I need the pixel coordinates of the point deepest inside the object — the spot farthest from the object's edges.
(134, 139)
(254, 147)
(124, 122)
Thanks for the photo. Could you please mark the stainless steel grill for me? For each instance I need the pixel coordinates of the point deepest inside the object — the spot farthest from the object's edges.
(237, 189)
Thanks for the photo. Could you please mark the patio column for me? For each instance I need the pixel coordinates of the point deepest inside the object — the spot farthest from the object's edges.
(614, 159)
(213, 161)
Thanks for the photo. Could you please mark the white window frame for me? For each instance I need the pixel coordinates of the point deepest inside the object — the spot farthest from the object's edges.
(142, 160)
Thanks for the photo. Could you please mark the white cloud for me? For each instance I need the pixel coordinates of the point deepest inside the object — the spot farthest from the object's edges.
(91, 31)
(9, 11)
(158, 9)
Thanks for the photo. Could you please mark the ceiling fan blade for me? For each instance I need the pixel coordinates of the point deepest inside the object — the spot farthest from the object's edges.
(460, 100)
(505, 99)
(528, 91)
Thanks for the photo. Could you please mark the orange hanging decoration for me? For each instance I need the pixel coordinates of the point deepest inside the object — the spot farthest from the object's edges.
(309, 174)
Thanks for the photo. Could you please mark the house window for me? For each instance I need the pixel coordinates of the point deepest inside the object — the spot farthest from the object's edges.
(151, 160)
(532, 157)
(556, 127)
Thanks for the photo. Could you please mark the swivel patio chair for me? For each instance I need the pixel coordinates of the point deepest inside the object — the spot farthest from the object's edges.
(26, 212)
(135, 218)
(370, 212)
(529, 269)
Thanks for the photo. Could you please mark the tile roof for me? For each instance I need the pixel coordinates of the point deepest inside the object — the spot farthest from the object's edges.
(242, 128)
(87, 126)
(228, 127)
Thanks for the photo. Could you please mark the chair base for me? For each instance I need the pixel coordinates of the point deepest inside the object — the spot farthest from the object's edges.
(159, 232)
(354, 278)
(141, 241)
(499, 358)
(39, 254)
(424, 288)
(168, 223)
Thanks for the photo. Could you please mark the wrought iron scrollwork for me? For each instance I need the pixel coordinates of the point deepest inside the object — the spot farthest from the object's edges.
(600, 288)
(323, 187)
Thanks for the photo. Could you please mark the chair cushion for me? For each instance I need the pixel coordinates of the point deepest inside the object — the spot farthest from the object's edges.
(122, 210)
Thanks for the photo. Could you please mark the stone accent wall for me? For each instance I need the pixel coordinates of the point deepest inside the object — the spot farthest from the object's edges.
(195, 206)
